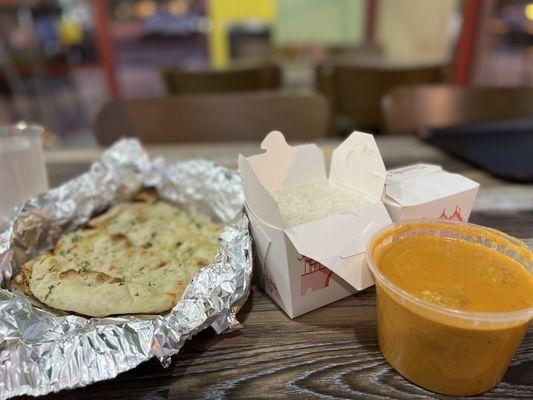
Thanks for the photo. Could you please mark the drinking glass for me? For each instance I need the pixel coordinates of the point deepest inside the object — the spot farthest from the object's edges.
(22, 166)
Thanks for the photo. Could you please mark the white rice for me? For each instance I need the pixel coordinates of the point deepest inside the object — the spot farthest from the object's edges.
(313, 201)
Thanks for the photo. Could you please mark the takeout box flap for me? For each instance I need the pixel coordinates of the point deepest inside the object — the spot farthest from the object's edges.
(411, 171)
(280, 166)
(334, 240)
(257, 197)
(422, 183)
(262, 242)
(357, 163)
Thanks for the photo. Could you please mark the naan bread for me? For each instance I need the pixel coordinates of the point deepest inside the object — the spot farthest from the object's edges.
(135, 258)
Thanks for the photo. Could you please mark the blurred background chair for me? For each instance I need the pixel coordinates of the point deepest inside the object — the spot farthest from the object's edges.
(354, 91)
(409, 109)
(214, 117)
(236, 79)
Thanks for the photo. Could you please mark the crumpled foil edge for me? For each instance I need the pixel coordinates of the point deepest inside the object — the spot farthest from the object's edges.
(41, 352)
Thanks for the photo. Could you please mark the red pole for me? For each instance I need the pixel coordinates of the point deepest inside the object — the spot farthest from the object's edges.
(370, 22)
(104, 44)
(464, 52)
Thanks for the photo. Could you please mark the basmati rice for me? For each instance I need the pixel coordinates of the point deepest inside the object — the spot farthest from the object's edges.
(313, 201)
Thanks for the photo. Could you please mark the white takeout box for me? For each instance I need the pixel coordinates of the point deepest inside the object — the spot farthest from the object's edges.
(427, 191)
(318, 262)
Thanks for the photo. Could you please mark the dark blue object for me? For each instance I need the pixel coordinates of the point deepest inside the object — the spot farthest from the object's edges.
(502, 148)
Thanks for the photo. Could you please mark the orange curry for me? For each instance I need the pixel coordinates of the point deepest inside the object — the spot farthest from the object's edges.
(437, 350)
(458, 274)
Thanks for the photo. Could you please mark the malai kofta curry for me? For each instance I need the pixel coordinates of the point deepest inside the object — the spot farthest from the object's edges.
(479, 282)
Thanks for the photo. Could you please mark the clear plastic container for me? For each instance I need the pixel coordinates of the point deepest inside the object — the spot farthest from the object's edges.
(22, 166)
(442, 349)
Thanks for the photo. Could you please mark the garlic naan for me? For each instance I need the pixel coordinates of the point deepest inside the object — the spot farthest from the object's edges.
(135, 258)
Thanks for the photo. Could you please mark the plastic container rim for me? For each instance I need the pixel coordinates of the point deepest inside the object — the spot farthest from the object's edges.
(22, 129)
(510, 316)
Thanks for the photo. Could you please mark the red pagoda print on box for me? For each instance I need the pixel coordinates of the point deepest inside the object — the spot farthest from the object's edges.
(456, 216)
(315, 276)
(271, 287)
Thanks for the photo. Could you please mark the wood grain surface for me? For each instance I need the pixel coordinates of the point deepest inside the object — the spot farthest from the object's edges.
(331, 352)
(328, 353)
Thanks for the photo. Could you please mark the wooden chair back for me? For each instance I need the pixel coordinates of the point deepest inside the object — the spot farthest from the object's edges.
(180, 81)
(214, 117)
(409, 109)
(355, 92)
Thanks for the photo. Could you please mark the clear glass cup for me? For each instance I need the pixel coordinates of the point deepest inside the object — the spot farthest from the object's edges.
(443, 349)
(22, 166)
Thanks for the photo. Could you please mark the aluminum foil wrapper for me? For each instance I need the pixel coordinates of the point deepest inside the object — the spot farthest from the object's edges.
(41, 352)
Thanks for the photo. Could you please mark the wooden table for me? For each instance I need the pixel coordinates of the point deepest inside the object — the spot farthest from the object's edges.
(330, 352)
